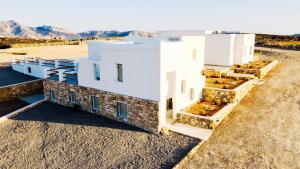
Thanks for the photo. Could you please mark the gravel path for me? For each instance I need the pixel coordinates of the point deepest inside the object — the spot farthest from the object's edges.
(263, 131)
(52, 136)
(9, 76)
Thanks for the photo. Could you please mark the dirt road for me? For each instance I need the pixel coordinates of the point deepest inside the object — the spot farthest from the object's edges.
(263, 131)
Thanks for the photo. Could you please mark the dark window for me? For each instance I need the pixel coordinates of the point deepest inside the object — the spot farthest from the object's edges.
(169, 104)
(72, 97)
(52, 95)
(29, 69)
(97, 71)
(120, 72)
(122, 110)
(95, 103)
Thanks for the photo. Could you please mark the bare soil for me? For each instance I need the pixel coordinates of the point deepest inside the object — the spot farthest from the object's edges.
(263, 131)
(53, 136)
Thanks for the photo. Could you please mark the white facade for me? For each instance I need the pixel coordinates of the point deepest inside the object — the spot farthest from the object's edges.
(35, 68)
(153, 69)
(221, 49)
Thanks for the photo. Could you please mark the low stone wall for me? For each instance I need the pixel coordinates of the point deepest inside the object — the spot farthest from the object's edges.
(224, 96)
(194, 120)
(142, 113)
(260, 73)
(14, 91)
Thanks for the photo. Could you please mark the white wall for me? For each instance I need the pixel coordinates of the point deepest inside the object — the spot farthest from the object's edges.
(36, 69)
(141, 67)
(177, 64)
(244, 48)
(219, 49)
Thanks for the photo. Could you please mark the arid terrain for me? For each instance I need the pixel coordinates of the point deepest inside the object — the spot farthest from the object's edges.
(46, 52)
(53, 136)
(263, 130)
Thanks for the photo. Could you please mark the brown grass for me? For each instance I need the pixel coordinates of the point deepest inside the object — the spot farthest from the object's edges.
(204, 108)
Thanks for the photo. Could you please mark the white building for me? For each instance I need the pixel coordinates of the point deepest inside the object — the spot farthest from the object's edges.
(221, 49)
(164, 70)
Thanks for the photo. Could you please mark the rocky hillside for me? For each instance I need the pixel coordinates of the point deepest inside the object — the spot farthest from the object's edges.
(14, 29)
(278, 41)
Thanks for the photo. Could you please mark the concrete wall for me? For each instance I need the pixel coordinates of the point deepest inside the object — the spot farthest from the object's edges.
(14, 91)
(244, 48)
(36, 69)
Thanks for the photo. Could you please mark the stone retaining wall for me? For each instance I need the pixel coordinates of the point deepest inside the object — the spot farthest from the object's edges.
(223, 96)
(194, 120)
(260, 73)
(14, 91)
(142, 113)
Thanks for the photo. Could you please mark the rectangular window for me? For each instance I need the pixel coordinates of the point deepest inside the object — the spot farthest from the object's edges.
(95, 104)
(72, 97)
(96, 71)
(29, 69)
(194, 54)
(52, 95)
(120, 72)
(183, 85)
(122, 110)
(192, 94)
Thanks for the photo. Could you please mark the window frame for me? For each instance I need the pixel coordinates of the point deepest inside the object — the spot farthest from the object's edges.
(71, 99)
(192, 93)
(120, 73)
(53, 97)
(194, 54)
(183, 86)
(119, 114)
(95, 109)
(97, 75)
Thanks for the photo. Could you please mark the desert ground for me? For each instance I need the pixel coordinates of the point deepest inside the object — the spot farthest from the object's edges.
(46, 52)
(263, 131)
(53, 136)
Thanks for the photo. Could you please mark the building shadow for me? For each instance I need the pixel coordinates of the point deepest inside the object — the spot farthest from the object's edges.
(54, 113)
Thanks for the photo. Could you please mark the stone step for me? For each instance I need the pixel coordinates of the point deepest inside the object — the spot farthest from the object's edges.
(191, 131)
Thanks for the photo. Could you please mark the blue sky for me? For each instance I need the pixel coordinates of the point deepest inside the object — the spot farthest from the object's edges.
(259, 16)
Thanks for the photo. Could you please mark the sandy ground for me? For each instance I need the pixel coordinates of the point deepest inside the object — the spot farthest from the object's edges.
(46, 52)
(53, 136)
(263, 131)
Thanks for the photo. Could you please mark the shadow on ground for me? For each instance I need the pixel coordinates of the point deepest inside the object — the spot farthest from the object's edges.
(50, 112)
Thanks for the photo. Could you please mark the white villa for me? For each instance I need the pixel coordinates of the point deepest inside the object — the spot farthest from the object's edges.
(143, 82)
(221, 49)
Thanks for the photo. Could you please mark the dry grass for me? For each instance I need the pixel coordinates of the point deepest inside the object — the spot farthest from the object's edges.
(223, 82)
(263, 130)
(257, 64)
(204, 108)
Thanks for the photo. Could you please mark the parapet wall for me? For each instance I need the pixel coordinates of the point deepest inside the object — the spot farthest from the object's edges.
(11, 92)
(142, 113)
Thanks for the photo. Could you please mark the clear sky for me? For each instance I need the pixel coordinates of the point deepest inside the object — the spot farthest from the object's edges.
(259, 16)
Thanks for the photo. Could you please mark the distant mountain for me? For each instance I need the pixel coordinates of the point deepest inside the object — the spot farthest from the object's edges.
(114, 33)
(14, 29)
(297, 34)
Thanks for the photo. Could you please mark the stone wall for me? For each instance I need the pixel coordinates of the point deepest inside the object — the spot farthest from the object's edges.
(193, 120)
(14, 91)
(142, 113)
(224, 96)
